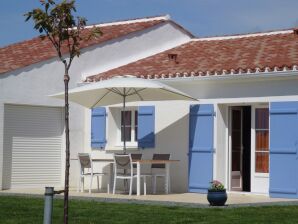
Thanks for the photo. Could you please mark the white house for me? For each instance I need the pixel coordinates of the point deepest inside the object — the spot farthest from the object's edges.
(241, 132)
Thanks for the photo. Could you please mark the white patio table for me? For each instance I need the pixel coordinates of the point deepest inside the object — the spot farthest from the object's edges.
(151, 161)
(139, 163)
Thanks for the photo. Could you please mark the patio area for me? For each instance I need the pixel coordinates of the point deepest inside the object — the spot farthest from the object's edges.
(181, 199)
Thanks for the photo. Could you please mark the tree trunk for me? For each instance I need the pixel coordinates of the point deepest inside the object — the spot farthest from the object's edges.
(67, 165)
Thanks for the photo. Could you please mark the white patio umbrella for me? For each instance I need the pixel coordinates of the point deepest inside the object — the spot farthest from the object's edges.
(122, 90)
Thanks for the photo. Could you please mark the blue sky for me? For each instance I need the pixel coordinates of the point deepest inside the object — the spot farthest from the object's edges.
(201, 17)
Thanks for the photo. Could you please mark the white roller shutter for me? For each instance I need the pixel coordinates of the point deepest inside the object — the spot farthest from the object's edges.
(33, 146)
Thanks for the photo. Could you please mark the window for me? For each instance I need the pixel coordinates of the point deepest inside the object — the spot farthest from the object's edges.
(131, 126)
(262, 140)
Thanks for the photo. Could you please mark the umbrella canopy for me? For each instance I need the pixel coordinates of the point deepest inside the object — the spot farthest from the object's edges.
(116, 90)
(121, 90)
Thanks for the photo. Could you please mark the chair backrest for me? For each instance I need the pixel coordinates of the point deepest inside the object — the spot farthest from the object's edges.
(122, 161)
(136, 156)
(160, 157)
(85, 161)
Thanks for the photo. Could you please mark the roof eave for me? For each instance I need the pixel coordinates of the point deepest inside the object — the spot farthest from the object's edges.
(229, 77)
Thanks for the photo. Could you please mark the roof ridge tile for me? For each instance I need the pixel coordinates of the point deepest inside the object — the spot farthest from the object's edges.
(129, 21)
(236, 36)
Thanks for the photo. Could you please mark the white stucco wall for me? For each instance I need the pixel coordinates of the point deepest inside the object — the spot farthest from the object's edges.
(233, 88)
(1, 140)
(131, 48)
(32, 85)
(221, 144)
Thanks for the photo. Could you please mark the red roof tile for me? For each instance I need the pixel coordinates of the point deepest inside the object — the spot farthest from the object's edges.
(32, 51)
(210, 55)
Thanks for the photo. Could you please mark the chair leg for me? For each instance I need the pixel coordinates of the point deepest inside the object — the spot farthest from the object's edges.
(169, 185)
(91, 178)
(130, 186)
(83, 184)
(154, 185)
(97, 183)
(145, 186)
(114, 186)
(125, 183)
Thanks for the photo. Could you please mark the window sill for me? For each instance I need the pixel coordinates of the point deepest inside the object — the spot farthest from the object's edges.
(120, 148)
(128, 145)
(261, 175)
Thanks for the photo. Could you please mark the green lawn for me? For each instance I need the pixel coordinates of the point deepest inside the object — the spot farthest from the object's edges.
(30, 210)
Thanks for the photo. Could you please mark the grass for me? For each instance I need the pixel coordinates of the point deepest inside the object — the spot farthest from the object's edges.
(14, 209)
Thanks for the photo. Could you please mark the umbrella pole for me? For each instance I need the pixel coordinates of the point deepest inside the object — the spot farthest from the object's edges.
(124, 136)
(124, 123)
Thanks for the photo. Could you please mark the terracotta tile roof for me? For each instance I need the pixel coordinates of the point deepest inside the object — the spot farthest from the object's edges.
(218, 55)
(32, 51)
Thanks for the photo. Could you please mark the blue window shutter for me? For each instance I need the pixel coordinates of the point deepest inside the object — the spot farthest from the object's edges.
(146, 127)
(283, 149)
(98, 128)
(201, 125)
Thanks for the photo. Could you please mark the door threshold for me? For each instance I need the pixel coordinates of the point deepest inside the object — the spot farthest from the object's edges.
(248, 193)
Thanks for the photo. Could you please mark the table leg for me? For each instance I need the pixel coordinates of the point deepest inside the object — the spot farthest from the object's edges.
(111, 176)
(138, 179)
(167, 180)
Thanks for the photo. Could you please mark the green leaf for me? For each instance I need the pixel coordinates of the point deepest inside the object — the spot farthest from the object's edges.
(29, 15)
(59, 23)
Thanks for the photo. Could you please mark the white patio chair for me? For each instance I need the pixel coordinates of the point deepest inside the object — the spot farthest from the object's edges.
(86, 163)
(123, 169)
(159, 170)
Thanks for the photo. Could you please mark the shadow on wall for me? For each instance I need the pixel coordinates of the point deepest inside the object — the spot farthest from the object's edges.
(174, 139)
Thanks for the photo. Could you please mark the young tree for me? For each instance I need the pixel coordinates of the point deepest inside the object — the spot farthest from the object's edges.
(56, 21)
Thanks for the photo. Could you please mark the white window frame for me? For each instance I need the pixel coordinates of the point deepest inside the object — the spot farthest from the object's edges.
(253, 142)
(133, 143)
(259, 181)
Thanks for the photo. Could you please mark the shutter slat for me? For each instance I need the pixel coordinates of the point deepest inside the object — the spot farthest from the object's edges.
(146, 127)
(98, 128)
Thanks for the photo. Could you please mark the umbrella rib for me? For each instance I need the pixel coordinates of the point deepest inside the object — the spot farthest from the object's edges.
(129, 92)
(116, 91)
(189, 97)
(101, 98)
(137, 93)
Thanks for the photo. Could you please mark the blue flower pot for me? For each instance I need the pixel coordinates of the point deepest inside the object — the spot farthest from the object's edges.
(217, 198)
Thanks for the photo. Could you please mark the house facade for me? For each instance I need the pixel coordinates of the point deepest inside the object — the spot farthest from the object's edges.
(242, 131)
(30, 72)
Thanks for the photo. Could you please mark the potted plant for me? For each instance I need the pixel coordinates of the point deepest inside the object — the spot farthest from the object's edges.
(217, 195)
